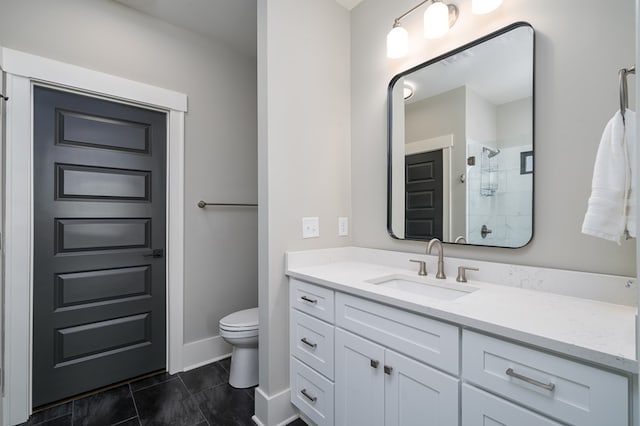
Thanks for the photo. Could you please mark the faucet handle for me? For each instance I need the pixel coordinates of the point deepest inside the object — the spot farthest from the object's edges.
(423, 266)
(462, 273)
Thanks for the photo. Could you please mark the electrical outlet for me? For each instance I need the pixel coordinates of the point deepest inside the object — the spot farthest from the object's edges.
(343, 226)
(310, 227)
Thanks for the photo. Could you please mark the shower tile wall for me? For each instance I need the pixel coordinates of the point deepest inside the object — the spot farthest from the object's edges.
(507, 212)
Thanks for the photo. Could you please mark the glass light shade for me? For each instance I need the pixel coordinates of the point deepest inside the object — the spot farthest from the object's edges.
(407, 91)
(480, 7)
(397, 42)
(436, 20)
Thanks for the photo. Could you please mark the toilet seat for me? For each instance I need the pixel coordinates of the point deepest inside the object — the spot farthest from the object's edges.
(245, 320)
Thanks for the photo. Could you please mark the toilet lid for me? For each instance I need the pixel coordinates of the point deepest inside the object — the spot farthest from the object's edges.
(247, 318)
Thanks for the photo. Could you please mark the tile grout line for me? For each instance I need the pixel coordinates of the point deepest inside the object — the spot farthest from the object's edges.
(135, 406)
(191, 395)
(151, 385)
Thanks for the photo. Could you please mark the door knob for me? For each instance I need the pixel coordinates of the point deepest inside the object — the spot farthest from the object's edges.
(155, 253)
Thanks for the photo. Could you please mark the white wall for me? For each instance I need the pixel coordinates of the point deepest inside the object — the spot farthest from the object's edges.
(580, 45)
(220, 133)
(303, 161)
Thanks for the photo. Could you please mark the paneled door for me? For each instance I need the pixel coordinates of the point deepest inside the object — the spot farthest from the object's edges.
(423, 195)
(99, 238)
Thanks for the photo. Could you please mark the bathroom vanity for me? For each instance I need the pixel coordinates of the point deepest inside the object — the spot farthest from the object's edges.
(373, 343)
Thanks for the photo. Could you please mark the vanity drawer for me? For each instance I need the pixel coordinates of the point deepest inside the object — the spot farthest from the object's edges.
(311, 393)
(429, 341)
(566, 390)
(314, 300)
(312, 342)
(480, 408)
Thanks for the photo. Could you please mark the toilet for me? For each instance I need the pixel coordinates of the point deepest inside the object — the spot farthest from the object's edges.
(240, 330)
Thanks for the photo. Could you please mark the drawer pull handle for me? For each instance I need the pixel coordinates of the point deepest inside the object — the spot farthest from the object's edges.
(375, 363)
(309, 300)
(387, 369)
(547, 386)
(308, 343)
(312, 399)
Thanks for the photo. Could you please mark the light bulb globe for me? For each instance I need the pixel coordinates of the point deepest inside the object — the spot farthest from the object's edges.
(436, 20)
(397, 42)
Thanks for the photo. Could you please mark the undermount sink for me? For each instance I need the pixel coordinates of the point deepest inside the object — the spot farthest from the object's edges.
(423, 286)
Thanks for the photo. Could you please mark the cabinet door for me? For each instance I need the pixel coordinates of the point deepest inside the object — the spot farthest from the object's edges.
(359, 381)
(416, 394)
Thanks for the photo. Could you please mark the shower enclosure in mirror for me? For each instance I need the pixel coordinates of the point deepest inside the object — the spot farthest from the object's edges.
(461, 144)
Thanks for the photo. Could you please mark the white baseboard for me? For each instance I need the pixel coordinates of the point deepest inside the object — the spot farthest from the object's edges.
(205, 351)
(274, 410)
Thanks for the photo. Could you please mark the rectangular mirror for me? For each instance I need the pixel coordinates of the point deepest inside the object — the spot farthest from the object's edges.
(460, 164)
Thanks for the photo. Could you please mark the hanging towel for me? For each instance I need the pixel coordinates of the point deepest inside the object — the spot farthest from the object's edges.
(612, 206)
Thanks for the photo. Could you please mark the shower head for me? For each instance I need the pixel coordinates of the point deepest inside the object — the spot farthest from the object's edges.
(491, 152)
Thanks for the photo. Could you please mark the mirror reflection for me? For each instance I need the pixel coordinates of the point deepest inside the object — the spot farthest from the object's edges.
(461, 144)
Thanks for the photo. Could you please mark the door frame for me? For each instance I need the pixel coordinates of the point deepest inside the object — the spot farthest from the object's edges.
(22, 72)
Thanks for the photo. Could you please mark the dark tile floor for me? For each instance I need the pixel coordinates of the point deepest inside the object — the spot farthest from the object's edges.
(194, 398)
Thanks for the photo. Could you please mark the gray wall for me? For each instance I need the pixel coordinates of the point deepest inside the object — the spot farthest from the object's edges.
(511, 120)
(220, 145)
(580, 45)
(303, 159)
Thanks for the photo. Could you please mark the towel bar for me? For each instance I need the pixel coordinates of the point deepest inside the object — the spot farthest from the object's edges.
(203, 204)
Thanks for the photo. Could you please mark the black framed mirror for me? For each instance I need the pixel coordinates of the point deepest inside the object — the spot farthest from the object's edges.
(461, 144)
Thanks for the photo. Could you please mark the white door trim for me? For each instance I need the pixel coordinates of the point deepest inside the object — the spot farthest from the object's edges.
(22, 71)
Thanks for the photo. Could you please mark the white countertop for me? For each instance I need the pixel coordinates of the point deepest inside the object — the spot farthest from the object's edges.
(593, 331)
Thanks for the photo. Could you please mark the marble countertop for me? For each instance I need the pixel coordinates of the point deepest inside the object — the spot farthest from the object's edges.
(591, 330)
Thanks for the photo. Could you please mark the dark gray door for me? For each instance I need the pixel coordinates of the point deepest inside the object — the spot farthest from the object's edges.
(99, 214)
(423, 195)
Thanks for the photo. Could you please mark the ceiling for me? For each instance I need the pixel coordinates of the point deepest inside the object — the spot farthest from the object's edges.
(230, 21)
(499, 69)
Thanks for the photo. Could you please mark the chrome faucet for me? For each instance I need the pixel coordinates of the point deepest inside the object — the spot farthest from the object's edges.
(434, 241)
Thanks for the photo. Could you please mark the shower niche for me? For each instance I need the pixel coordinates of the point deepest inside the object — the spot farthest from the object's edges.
(460, 127)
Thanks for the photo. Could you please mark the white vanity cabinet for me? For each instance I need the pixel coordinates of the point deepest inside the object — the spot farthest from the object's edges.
(569, 391)
(355, 361)
(312, 350)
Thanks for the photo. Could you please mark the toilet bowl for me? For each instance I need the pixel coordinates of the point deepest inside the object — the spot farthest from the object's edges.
(240, 330)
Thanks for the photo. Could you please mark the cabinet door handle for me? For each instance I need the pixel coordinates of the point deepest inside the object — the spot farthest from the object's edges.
(308, 343)
(375, 363)
(311, 399)
(547, 386)
(387, 369)
(309, 300)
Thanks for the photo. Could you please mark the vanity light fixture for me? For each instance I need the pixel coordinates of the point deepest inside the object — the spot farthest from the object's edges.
(407, 91)
(480, 7)
(438, 18)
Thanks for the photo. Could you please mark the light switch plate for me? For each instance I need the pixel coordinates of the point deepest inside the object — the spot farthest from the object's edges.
(343, 226)
(310, 227)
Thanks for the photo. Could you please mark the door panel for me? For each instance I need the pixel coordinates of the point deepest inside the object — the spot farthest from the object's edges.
(359, 387)
(99, 210)
(424, 195)
(418, 395)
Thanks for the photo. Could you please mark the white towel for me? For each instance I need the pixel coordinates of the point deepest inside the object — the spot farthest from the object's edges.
(612, 205)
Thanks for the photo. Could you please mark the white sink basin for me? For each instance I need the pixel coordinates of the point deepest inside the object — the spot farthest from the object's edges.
(423, 286)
